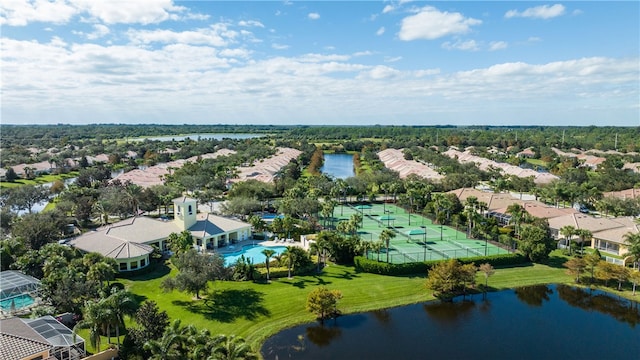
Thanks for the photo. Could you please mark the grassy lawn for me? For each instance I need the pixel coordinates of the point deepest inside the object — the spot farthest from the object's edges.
(37, 181)
(257, 310)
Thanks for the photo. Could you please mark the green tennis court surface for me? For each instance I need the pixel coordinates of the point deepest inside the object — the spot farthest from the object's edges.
(417, 238)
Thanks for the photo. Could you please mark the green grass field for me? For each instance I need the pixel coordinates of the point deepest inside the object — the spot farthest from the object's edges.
(257, 310)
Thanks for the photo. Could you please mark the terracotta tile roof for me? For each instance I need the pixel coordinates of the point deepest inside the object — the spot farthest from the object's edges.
(18, 340)
(13, 347)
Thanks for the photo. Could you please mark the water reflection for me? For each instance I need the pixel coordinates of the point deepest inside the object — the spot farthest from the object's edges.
(533, 295)
(449, 313)
(620, 309)
(323, 335)
(504, 325)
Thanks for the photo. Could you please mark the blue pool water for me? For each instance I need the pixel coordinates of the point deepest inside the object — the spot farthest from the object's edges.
(254, 252)
(271, 216)
(20, 301)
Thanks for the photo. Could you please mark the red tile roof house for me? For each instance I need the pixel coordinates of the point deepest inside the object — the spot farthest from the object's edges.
(130, 242)
(608, 233)
(526, 153)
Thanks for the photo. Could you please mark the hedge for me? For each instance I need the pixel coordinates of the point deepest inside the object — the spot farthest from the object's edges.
(372, 266)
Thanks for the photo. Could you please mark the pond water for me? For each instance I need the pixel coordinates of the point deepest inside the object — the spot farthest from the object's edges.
(537, 322)
(340, 166)
(217, 136)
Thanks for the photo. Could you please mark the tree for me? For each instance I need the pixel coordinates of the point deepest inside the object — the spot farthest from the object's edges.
(103, 271)
(152, 322)
(195, 271)
(268, 253)
(592, 260)
(517, 216)
(180, 243)
(568, 231)
(11, 175)
(27, 196)
(584, 235)
(38, 229)
(232, 348)
(444, 279)
(575, 267)
(633, 246)
(634, 276)
(290, 258)
(488, 271)
(119, 303)
(323, 302)
(172, 345)
(621, 274)
(535, 242)
(385, 236)
(605, 271)
(94, 317)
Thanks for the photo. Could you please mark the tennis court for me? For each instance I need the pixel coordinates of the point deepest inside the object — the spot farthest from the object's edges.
(417, 238)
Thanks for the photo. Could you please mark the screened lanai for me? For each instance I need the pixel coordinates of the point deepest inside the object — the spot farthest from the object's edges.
(15, 287)
(66, 345)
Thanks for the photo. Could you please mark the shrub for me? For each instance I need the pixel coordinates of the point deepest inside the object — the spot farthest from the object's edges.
(372, 266)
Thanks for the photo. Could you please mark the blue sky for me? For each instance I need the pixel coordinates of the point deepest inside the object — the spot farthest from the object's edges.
(320, 62)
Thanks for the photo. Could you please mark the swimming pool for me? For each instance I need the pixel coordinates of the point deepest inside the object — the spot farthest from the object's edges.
(20, 301)
(253, 252)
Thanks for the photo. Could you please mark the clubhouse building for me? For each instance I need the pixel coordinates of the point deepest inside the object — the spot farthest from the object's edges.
(131, 242)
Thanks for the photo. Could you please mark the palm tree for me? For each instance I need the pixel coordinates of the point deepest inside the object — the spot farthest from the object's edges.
(314, 249)
(120, 303)
(232, 348)
(94, 317)
(172, 345)
(633, 246)
(584, 235)
(290, 257)
(517, 215)
(568, 231)
(385, 236)
(268, 253)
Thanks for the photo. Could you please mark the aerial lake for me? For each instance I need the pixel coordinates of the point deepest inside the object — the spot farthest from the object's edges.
(535, 322)
(340, 166)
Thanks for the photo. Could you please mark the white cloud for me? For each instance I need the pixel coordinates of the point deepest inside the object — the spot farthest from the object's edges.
(468, 45)
(279, 46)
(389, 59)
(20, 13)
(99, 31)
(131, 84)
(388, 9)
(534, 39)
(497, 45)
(313, 16)
(380, 72)
(362, 53)
(380, 31)
(538, 12)
(215, 35)
(430, 23)
(250, 23)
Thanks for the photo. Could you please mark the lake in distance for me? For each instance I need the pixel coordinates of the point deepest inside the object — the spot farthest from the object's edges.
(195, 137)
(340, 166)
(535, 322)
